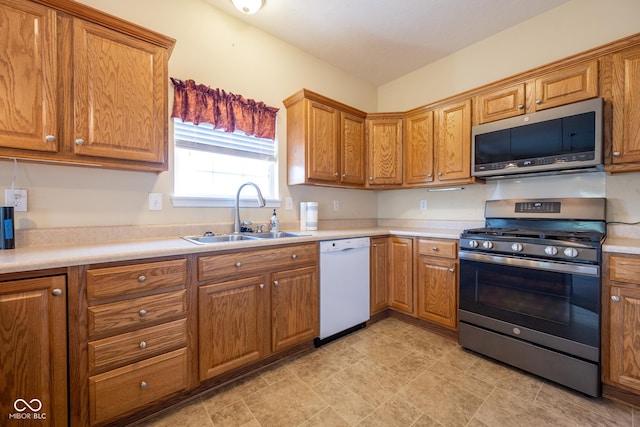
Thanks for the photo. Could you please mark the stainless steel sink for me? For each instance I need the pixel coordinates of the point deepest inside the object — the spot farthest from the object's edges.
(205, 240)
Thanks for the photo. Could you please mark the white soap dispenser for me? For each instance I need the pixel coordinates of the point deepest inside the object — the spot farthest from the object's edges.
(274, 223)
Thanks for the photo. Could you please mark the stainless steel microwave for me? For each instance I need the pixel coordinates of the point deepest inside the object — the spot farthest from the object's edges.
(549, 141)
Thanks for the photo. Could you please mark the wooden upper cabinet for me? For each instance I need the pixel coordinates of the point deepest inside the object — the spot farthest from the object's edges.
(120, 94)
(626, 109)
(418, 148)
(384, 137)
(453, 142)
(564, 86)
(28, 77)
(325, 141)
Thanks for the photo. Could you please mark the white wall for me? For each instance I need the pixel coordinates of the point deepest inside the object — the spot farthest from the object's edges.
(217, 50)
(571, 28)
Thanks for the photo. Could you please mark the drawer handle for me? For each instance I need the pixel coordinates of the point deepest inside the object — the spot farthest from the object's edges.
(143, 385)
(615, 298)
(294, 256)
(238, 264)
(143, 345)
(276, 283)
(142, 312)
(142, 278)
(56, 292)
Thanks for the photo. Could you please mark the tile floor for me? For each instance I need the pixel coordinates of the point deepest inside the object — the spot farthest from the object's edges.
(395, 374)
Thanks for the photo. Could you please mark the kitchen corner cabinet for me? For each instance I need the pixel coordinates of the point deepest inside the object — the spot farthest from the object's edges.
(453, 143)
(256, 303)
(571, 84)
(401, 274)
(437, 282)
(621, 322)
(418, 148)
(82, 87)
(325, 141)
(33, 352)
(625, 152)
(385, 147)
(379, 285)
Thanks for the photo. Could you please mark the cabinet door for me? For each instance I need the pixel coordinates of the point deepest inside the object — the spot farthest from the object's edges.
(323, 142)
(437, 291)
(232, 321)
(500, 104)
(33, 350)
(379, 288)
(624, 365)
(295, 310)
(418, 149)
(120, 88)
(626, 106)
(28, 76)
(385, 151)
(352, 151)
(453, 142)
(571, 84)
(401, 274)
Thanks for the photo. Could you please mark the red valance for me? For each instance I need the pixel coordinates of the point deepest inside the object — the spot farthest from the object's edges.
(198, 103)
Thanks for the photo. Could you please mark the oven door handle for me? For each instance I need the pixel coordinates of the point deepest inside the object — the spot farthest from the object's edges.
(536, 264)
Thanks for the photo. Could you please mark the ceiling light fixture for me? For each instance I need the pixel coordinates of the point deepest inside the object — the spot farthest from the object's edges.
(248, 6)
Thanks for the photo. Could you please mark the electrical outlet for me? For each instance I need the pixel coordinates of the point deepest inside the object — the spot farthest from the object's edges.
(288, 203)
(336, 205)
(16, 198)
(423, 205)
(155, 201)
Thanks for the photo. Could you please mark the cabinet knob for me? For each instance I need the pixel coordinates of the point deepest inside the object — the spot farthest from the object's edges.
(370, 178)
(538, 101)
(49, 138)
(435, 248)
(429, 175)
(294, 256)
(452, 270)
(142, 278)
(344, 175)
(336, 174)
(56, 292)
(615, 298)
(261, 285)
(439, 173)
(79, 141)
(143, 385)
(142, 312)
(375, 245)
(238, 264)
(276, 283)
(520, 106)
(616, 154)
(143, 345)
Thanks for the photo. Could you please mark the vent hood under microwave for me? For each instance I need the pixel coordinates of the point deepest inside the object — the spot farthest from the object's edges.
(560, 139)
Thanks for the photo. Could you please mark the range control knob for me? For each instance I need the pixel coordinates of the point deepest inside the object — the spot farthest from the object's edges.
(473, 244)
(551, 250)
(571, 252)
(487, 244)
(517, 247)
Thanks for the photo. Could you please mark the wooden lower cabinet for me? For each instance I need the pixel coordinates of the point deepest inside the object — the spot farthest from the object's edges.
(437, 282)
(401, 274)
(379, 274)
(33, 352)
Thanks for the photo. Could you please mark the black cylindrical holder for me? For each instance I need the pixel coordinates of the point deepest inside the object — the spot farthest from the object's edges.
(7, 238)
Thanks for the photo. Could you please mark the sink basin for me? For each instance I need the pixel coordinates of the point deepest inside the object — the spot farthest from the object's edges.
(203, 240)
(276, 235)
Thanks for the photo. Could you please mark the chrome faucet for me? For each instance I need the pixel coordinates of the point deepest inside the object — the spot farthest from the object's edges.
(261, 202)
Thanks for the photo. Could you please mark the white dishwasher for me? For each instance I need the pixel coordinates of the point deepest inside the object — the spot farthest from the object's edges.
(344, 287)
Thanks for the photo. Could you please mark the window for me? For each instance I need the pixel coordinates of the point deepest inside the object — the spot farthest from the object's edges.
(211, 164)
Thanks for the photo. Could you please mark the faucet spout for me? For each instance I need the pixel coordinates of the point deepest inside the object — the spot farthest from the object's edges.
(261, 202)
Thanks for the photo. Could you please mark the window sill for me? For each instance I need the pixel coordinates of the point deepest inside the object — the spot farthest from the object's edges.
(214, 202)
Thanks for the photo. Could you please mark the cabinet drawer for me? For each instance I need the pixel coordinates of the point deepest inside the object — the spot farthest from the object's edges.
(219, 266)
(134, 279)
(119, 316)
(121, 390)
(439, 248)
(127, 348)
(624, 269)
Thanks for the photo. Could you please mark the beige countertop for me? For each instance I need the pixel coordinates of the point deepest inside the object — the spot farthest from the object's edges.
(622, 245)
(55, 256)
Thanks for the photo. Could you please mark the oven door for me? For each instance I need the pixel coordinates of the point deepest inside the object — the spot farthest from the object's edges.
(553, 304)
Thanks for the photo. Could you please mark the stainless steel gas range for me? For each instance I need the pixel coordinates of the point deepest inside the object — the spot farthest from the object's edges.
(530, 287)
